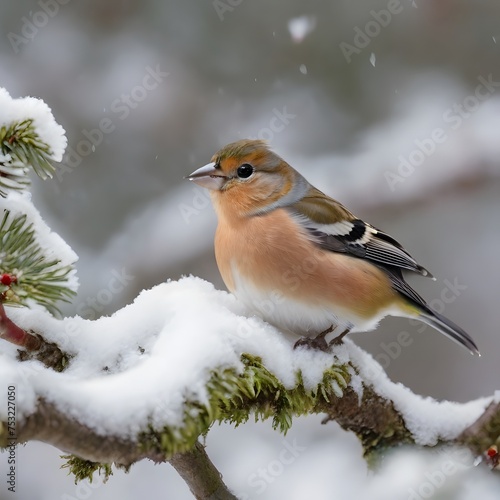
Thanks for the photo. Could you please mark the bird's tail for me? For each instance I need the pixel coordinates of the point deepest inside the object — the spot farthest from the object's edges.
(448, 328)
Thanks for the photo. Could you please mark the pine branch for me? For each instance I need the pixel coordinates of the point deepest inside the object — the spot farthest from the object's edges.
(21, 147)
(26, 273)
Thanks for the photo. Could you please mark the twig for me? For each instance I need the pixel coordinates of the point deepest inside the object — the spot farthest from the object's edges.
(10, 332)
(203, 479)
(34, 346)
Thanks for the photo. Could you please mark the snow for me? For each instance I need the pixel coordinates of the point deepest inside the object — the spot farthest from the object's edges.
(300, 27)
(53, 246)
(176, 333)
(149, 357)
(49, 131)
(446, 473)
(373, 59)
(427, 419)
(496, 397)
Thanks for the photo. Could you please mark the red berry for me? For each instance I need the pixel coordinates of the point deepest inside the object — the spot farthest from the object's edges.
(492, 452)
(6, 279)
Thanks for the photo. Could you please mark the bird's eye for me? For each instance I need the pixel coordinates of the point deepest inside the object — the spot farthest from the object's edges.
(244, 171)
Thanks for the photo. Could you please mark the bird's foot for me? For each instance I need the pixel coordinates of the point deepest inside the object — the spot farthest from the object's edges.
(339, 339)
(317, 342)
(312, 343)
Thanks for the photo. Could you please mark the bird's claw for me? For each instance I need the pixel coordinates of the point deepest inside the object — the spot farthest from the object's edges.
(319, 341)
(313, 343)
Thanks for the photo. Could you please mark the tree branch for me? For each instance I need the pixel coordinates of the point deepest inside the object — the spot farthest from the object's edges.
(373, 419)
(194, 466)
(49, 425)
(203, 479)
(10, 332)
(34, 346)
(234, 395)
(484, 432)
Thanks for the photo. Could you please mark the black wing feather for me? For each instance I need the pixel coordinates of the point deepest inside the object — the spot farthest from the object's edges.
(366, 242)
(399, 284)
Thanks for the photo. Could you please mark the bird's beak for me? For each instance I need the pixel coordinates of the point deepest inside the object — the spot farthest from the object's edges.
(208, 177)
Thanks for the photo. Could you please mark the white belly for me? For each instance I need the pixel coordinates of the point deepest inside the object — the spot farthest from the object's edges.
(296, 317)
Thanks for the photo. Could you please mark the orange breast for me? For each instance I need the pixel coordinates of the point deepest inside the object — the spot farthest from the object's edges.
(272, 252)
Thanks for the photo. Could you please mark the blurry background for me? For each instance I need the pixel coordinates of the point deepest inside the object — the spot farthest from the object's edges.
(392, 107)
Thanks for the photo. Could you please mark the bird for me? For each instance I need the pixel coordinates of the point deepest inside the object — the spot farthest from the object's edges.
(300, 259)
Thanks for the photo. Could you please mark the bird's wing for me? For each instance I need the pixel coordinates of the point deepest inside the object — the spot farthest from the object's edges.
(336, 229)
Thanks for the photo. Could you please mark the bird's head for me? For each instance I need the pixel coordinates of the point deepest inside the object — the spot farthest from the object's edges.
(247, 178)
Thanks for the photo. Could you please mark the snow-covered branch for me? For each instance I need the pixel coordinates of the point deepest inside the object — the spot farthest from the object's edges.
(29, 137)
(149, 380)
